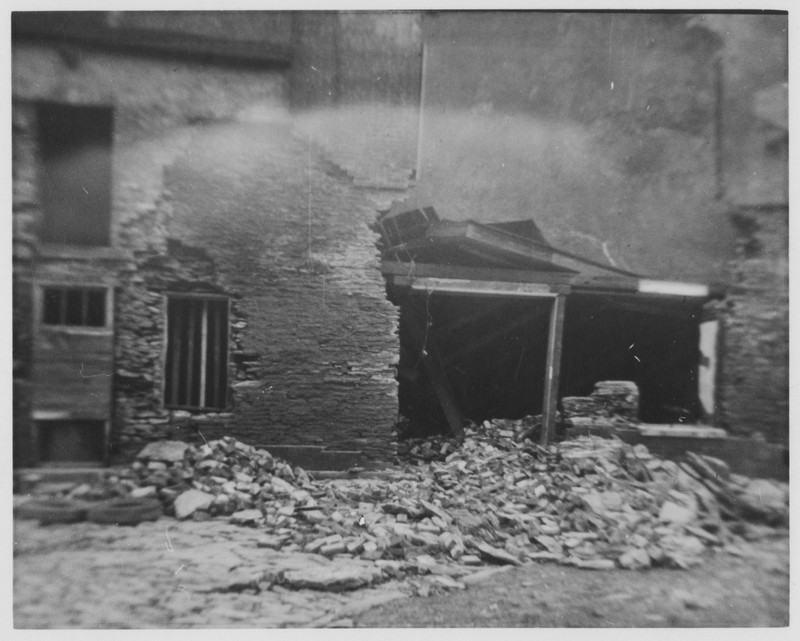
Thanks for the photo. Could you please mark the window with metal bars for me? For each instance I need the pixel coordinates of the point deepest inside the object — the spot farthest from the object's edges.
(74, 306)
(196, 372)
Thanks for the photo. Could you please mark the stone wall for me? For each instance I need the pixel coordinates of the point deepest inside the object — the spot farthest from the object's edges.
(213, 192)
(291, 238)
(754, 370)
(355, 57)
(599, 127)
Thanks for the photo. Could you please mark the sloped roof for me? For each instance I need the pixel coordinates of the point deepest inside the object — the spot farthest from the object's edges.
(511, 258)
(514, 245)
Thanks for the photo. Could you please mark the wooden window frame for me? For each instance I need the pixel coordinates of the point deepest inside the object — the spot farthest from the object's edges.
(38, 415)
(39, 307)
(223, 354)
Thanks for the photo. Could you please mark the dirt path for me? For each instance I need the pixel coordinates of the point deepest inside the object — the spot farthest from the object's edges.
(725, 591)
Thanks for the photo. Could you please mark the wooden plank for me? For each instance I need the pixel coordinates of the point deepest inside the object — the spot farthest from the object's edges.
(482, 287)
(174, 321)
(681, 431)
(190, 307)
(72, 372)
(412, 270)
(673, 288)
(425, 345)
(707, 367)
(54, 343)
(552, 369)
(203, 352)
(576, 281)
(81, 389)
(218, 362)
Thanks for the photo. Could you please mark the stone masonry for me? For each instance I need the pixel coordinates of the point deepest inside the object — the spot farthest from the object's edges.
(214, 192)
(754, 373)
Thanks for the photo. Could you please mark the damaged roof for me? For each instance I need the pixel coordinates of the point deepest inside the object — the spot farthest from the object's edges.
(420, 250)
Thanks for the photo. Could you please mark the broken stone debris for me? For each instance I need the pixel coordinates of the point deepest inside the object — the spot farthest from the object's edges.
(490, 500)
(611, 401)
(188, 503)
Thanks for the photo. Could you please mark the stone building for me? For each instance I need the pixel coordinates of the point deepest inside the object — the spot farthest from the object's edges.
(188, 260)
(204, 262)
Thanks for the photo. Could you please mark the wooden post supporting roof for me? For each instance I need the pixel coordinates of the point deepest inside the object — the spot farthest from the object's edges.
(552, 369)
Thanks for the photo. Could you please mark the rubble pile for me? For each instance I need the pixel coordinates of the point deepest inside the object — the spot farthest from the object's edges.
(224, 477)
(489, 499)
(610, 402)
(439, 447)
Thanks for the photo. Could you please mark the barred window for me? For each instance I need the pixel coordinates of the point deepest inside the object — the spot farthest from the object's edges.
(74, 306)
(196, 372)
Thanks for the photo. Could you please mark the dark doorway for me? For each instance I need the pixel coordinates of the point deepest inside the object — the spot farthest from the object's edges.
(493, 350)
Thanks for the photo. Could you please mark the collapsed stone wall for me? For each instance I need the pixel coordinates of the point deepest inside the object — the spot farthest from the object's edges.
(292, 237)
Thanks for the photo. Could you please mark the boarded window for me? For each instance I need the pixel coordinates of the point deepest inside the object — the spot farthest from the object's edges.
(75, 306)
(197, 353)
(75, 179)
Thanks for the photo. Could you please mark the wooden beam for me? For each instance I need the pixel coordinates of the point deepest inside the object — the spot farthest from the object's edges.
(425, 345)
(673, 288)
(552, 369)
(190, 310)
(203, 352)
(415, 270)
(411, 271)
(480, 287)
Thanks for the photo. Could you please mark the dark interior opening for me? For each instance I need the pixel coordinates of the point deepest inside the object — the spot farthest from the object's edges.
(75, 180)
(653, 342)
(77, 441)
(493, 351)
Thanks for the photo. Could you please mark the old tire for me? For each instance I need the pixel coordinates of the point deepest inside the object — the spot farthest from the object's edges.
(48, 511)
(125, 511)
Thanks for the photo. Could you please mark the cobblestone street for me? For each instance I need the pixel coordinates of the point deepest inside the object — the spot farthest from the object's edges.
(167, 574)
(185, 574)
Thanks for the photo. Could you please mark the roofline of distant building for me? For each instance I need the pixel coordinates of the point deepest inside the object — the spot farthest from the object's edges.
(53, 27)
